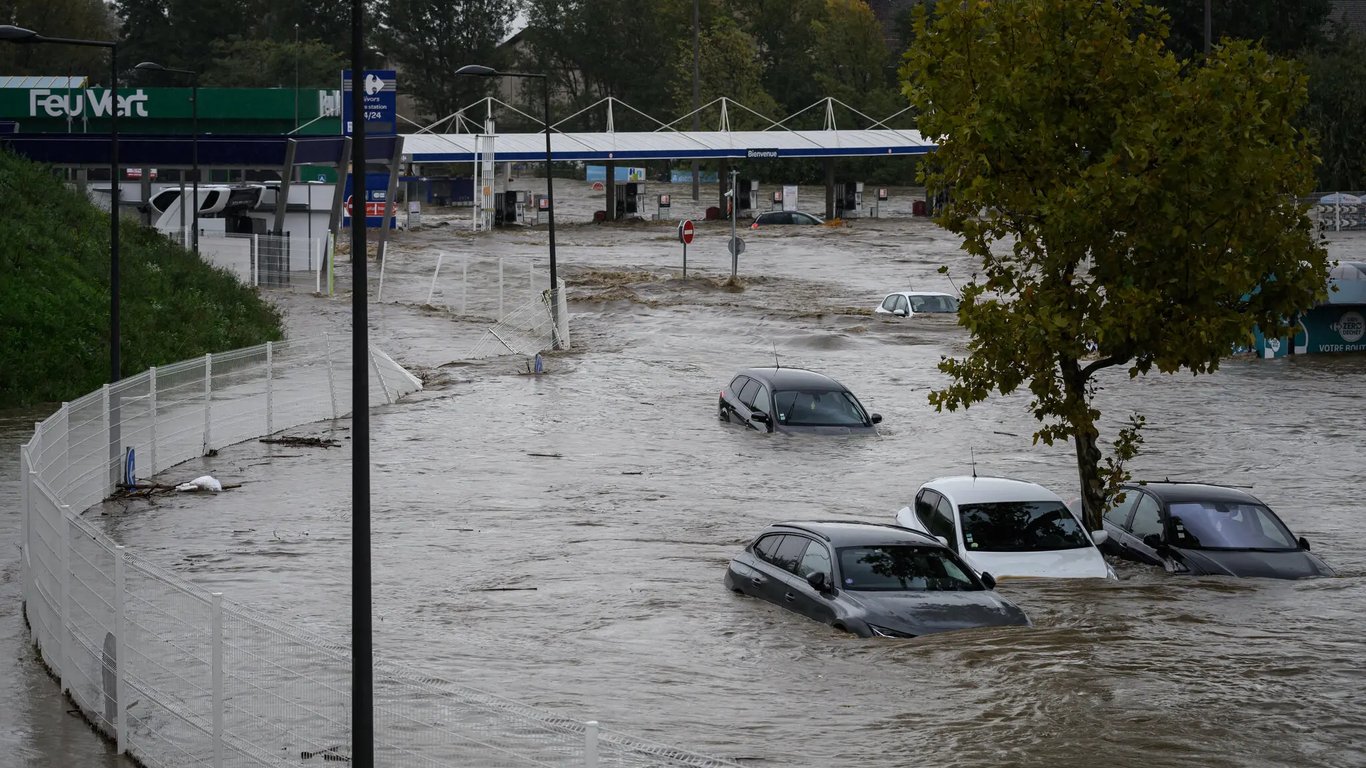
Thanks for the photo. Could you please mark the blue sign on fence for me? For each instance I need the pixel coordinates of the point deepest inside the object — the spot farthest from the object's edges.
(381, 102)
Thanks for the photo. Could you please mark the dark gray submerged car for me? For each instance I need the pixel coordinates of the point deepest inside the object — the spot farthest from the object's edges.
(793, 400)
(869, 579)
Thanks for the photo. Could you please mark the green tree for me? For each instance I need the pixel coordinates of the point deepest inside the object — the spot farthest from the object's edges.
(431, 39)
(850, 59)
(248, 63)
(1280, 26)
(786, 32)
(728, 66)
(1126, 210)
(81, 19)
(1337, 111)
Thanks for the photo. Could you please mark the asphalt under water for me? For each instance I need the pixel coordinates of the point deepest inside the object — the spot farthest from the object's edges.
(561, 538)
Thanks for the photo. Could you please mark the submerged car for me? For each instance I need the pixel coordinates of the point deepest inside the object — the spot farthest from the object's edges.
(784, 217)
(793, 400)
(912, 303)
(1195, 528)
(869, 579)
(1011, 528)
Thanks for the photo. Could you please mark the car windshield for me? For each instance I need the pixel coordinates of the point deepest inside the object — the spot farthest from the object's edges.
(1020, 526)
(804, 408)
(1228, 525)
(891, 568)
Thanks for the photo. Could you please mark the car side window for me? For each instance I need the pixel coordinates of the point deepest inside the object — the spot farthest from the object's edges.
(816, 560)
(1147, 517)
(943, 517)
(737, 384)
(790, 552)
(747, 394)
(1119, 513)
(761, 401)
(924, 508)
(767, 547)
(889, 303)
(901, 304)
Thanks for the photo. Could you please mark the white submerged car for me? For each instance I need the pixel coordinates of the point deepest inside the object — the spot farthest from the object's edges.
(1010, 528)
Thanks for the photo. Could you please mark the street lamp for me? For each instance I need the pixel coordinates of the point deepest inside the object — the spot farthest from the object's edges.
(152, 66)
(479, 70)
(12, 34)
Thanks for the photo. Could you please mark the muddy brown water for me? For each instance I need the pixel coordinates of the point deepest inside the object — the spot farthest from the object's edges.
(561, 539)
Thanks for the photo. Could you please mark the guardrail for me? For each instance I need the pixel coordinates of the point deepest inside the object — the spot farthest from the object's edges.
(177, 676)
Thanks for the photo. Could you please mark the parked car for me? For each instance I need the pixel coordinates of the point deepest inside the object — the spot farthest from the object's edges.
(869, 579)
(793, 400)
(1008, 527)
(784, 217)
(912, 303)
(1195, 528)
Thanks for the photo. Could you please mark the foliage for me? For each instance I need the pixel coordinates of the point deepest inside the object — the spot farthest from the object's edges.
(54, 294)
(267, 63)
(728, 66)
(850, 59)
(1126, 210)
(431, 39)
(80, 19)
(1280, 26)
(1337, 111)
(786, 31)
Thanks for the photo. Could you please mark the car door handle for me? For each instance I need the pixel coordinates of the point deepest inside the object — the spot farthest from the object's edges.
(757, 580)
(790, 596)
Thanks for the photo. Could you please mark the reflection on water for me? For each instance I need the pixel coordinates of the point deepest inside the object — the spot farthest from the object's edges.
(561, 539)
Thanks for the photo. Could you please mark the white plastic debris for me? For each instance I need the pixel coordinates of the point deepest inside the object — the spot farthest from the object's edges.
(201, 483)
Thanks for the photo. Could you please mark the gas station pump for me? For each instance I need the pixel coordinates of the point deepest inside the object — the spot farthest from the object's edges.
(749, 197)
(630, 198)
(849, 202)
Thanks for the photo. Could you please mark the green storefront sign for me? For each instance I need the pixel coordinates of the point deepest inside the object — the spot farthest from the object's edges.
(170, 110)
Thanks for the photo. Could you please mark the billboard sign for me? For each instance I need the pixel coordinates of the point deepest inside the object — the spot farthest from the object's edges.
(381, 102)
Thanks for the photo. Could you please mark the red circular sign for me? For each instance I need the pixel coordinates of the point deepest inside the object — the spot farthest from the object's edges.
(685, 232)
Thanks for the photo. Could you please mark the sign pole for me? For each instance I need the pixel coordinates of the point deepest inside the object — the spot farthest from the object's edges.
(685, 260)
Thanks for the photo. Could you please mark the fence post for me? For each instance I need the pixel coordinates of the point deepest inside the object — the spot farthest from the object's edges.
(255, 260)
(431, 292)
(216, 628)
(590, 744)
(152, 410)
(111, 470)
(121, 654)
(64, 652)
(500, 288)
(331, 385)
(208, 398)
(270, 387)
(531, 275)
(464, 284)
(26, 475)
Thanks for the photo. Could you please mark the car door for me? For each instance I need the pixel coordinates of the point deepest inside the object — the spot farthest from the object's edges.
(754, 578)
(730, 400)
(1148, 518)
(903, 308)
(799, 556)
(888, 305)
(925, 502)
(1116, 520)
(757, 400)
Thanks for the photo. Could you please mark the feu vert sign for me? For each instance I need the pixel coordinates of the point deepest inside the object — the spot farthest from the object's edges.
(85, 102)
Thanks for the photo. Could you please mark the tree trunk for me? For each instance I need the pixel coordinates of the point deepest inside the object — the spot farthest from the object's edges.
(1084, 435)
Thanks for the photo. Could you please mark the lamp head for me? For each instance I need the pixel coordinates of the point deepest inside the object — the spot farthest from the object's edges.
(13, 34)
(476, 70)
(150, 66)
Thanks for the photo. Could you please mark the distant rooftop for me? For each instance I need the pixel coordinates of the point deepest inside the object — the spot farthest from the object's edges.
(43, 81)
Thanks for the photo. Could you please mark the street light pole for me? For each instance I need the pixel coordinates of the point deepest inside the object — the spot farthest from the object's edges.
(9, 33)
(152, 66)
(478, 70)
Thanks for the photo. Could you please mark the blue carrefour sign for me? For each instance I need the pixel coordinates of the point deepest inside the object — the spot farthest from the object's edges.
(381, 102)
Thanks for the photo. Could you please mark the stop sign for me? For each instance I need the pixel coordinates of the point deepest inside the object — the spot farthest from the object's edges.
(685, 232)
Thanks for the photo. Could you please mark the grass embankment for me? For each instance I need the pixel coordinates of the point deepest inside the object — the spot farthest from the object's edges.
(54, 294)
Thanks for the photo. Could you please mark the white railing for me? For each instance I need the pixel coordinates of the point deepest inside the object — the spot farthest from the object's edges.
(265, 260)
(178, 676)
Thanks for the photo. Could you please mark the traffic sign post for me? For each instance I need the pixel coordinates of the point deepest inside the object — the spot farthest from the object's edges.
(685, 235)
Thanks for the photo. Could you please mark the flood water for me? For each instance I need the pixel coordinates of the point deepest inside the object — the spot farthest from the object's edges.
(561, 539)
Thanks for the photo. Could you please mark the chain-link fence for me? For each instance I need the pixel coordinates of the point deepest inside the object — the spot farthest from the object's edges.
(178, 676)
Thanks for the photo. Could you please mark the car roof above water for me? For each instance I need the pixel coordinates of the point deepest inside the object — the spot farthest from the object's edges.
(851, 533)
(794, 378)
(1170, 491)
(977, 490)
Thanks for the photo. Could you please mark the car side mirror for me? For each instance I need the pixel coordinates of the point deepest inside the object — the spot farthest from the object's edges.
(759, 416)
(1153, 540)
(899, 312)
(817, 581)
(876, 418)
(1304, 544)
(1099, 537)
(988, 580)
(942, 540)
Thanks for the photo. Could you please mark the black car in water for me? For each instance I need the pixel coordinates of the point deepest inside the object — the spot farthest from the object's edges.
(793, 400)
(869, 579)
(1194, 528)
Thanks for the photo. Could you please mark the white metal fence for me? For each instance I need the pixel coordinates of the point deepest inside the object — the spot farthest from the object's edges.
(1338, 211)
(180, 677)
(265, 260)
